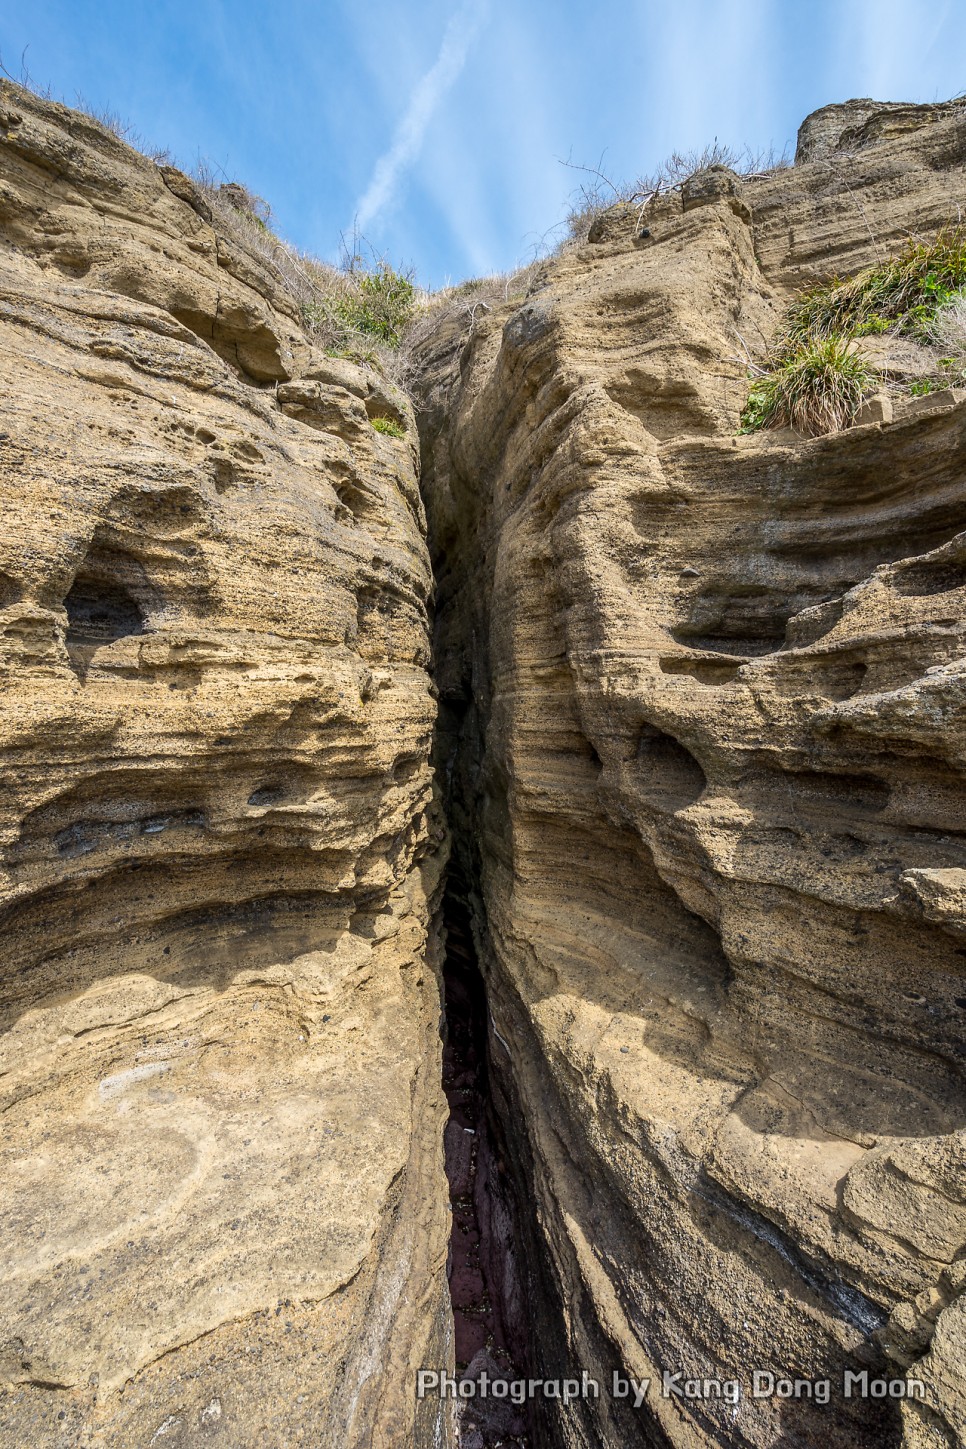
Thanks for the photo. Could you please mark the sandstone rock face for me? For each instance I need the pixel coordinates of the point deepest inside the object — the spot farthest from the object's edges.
(701, 735)
(702, 712)
(221, 1168)
(853, 125)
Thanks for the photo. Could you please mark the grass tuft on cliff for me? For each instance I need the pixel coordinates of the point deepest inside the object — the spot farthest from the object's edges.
(388, 426)
(815, 377)
(357, 310)
(902, 295)
(816, 388)
(466, 303)
(374, 303)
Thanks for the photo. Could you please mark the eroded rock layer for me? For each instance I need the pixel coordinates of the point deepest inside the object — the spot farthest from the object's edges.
(702, 711)
(221, 1167)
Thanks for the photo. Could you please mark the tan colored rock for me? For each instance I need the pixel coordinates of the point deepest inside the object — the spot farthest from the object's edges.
(899, 359)
(939, 894)
(702, 723)
(940, 1417)
(932, 402)
(702, 706)
(854, 125)
(221, 1167)
(876, 409)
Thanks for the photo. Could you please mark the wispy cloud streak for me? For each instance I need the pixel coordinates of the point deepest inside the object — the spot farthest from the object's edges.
(459, 35)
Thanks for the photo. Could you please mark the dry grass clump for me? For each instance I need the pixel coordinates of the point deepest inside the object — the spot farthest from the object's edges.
(121, 129)
(948, 327)
(246, 218)
(816, 388)
(466, 302)
(949, 324)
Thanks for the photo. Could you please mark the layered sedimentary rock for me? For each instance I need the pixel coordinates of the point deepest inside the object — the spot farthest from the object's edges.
(702, 710)
(701, 737)
(221, 1168)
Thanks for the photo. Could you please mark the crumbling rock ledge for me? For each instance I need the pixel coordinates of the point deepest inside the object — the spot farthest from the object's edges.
(702, 711)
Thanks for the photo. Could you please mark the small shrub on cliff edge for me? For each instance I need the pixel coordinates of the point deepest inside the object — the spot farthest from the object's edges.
(376, 303)
(817, 388)
(599, 193)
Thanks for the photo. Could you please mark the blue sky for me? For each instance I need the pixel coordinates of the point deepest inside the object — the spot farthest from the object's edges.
(442, 125)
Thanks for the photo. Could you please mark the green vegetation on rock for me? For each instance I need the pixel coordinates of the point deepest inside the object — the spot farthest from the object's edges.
(901, 295)
(815, 377)
(375, 304)
(389, 427)
(816, 387)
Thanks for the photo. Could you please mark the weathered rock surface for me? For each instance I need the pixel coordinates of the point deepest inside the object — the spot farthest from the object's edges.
(702, 736)
(702, 712)
(222, 1190)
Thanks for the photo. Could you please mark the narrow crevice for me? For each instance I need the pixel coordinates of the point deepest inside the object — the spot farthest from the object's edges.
(483, 1269)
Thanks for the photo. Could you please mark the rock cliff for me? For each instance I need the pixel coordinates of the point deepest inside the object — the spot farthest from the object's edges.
(700, 737)
(702, 712)
(222, 1183)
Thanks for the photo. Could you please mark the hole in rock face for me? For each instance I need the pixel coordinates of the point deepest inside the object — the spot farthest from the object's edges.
(250, 348)
(671, 777)
(267, 795)
(484, 1280)
(100, 610)
(731, 644)
(10, 591)
(728, 618)
(353, 499)
(406, 768)
(589, 752)
(703, 671)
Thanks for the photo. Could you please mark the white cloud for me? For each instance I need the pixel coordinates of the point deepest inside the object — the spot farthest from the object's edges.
(460, 33)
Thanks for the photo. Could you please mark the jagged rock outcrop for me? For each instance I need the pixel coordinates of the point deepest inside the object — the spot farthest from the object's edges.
(221, 1168)
(702, 712)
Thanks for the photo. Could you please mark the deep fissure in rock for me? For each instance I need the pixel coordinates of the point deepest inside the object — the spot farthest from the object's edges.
(484, 1260)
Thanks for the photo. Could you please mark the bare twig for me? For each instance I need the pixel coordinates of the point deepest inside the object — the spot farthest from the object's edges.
(752, 365)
